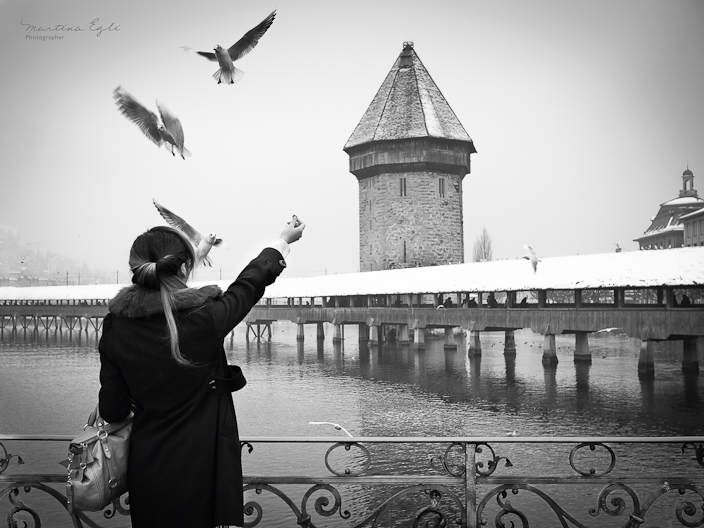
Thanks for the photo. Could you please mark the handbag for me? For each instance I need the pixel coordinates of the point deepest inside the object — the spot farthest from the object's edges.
(97, 464)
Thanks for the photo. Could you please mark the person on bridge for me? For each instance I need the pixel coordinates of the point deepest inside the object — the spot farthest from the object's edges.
(162, 357)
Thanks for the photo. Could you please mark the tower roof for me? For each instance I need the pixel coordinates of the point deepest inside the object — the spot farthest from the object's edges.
(408, 105)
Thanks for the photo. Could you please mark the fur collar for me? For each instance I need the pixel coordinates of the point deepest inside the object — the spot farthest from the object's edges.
(136, 301)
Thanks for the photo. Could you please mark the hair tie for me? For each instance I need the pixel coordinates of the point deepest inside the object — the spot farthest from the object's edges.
(146, 275)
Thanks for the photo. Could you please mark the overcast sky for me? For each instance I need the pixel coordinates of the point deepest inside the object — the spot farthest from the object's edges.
(584, 115)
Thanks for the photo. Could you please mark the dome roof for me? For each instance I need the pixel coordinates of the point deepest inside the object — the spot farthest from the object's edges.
(687, 173)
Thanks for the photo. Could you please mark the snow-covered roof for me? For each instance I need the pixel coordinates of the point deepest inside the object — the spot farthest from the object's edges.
(690, 216)
(631, 269)
(408, 105)
(685, 200)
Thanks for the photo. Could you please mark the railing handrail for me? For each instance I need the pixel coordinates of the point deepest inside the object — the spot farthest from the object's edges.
(421, 439)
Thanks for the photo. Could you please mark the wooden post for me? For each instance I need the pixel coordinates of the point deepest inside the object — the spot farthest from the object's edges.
(363, 333)
(646, 361)
(403, 338)
(419, 337)
(581, 349)
(374, 335)
(692, 353)
(475, 343)
(321, 331)
(449, 338)
(549, 351)
(300, 333)
(337, 337)
(509, 343)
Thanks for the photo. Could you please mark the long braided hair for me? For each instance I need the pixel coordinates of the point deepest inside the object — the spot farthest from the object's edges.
(156, 260)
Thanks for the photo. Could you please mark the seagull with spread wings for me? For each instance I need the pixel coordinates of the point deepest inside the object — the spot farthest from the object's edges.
(532, 257)
(166, 131)
(239, 49)
(202, 244)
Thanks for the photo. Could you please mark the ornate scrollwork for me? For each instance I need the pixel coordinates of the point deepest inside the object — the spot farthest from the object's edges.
(492, 464)
(698, 451)
(250, 447)
(431, 516)
(501, 492)
(347, 471)
(637, 516)
(18, 506)
(6, 457)
(458, 470)
(323, 501)
(592, 446)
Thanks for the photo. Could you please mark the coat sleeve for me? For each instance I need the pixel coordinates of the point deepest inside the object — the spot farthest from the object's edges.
(113, 401)
(248, 288)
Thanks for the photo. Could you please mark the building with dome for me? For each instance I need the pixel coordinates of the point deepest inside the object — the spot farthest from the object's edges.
(667, 227)
(409, 153)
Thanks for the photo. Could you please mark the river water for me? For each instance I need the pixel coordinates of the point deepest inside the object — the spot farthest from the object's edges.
(49, 384)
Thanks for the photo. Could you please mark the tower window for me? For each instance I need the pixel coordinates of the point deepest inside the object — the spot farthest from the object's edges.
(441, 187)
(402, 186)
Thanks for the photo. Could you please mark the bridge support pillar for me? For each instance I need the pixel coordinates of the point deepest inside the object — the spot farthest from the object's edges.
(419, 337)
(374, 335)
(300, 332)
(449, 338)
(363, 333)
(582, 354)
(403, 338)
(339, 331)
(549, 351)
(509, 343)
(692, 353)
(320, 332)
(475, 343)
(646, 361)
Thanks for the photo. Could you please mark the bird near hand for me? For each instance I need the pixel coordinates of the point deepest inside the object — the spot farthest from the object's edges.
(201, 244)
(167, 131)
(225, 57)
(531, 256)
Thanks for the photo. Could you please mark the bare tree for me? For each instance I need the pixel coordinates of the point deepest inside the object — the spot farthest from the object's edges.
(482, 247)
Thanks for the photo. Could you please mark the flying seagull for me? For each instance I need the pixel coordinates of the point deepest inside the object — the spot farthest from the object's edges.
(531, 257)
(336, 426)
(201, 244)
(168, 130)
(239, 49)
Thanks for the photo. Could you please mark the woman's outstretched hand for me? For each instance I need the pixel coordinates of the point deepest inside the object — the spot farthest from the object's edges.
(293, 230)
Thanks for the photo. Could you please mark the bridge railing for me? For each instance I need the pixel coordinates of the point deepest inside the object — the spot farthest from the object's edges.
(428, 481)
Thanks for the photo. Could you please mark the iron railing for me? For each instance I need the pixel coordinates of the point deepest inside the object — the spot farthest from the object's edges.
(360, 482)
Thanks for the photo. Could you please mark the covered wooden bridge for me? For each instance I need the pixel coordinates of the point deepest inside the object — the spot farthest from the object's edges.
(649, 295)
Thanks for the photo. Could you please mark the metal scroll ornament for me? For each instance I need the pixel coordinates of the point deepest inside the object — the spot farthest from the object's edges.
(591, 472)
(456, 449)
(347, 472)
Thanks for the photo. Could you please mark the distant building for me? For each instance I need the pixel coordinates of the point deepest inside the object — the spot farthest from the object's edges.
(410, 154)
(667, 228)
(693, 224)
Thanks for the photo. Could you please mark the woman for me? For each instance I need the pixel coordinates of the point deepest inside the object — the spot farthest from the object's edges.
(162, 357)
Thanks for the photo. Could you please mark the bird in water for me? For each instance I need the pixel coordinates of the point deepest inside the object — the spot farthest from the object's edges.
(202, 244)
(225, 57)
(164, 132)
(531, 256)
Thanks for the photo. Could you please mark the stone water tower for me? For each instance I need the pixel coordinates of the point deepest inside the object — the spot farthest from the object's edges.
(410, 154)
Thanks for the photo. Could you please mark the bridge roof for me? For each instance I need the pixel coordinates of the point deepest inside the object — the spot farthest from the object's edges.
(630, 269)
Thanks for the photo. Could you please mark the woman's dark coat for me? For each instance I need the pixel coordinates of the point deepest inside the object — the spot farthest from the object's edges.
(184, 468)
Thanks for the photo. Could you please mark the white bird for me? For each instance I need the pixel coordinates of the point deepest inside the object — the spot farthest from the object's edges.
(531, 256)
(336, 426)
(166, 131)
(201, 244)
(239, 49)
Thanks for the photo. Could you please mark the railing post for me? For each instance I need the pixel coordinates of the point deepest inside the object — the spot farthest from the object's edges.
(470, 484)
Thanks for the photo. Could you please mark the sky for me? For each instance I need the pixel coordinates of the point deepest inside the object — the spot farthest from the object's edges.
(584, 116)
